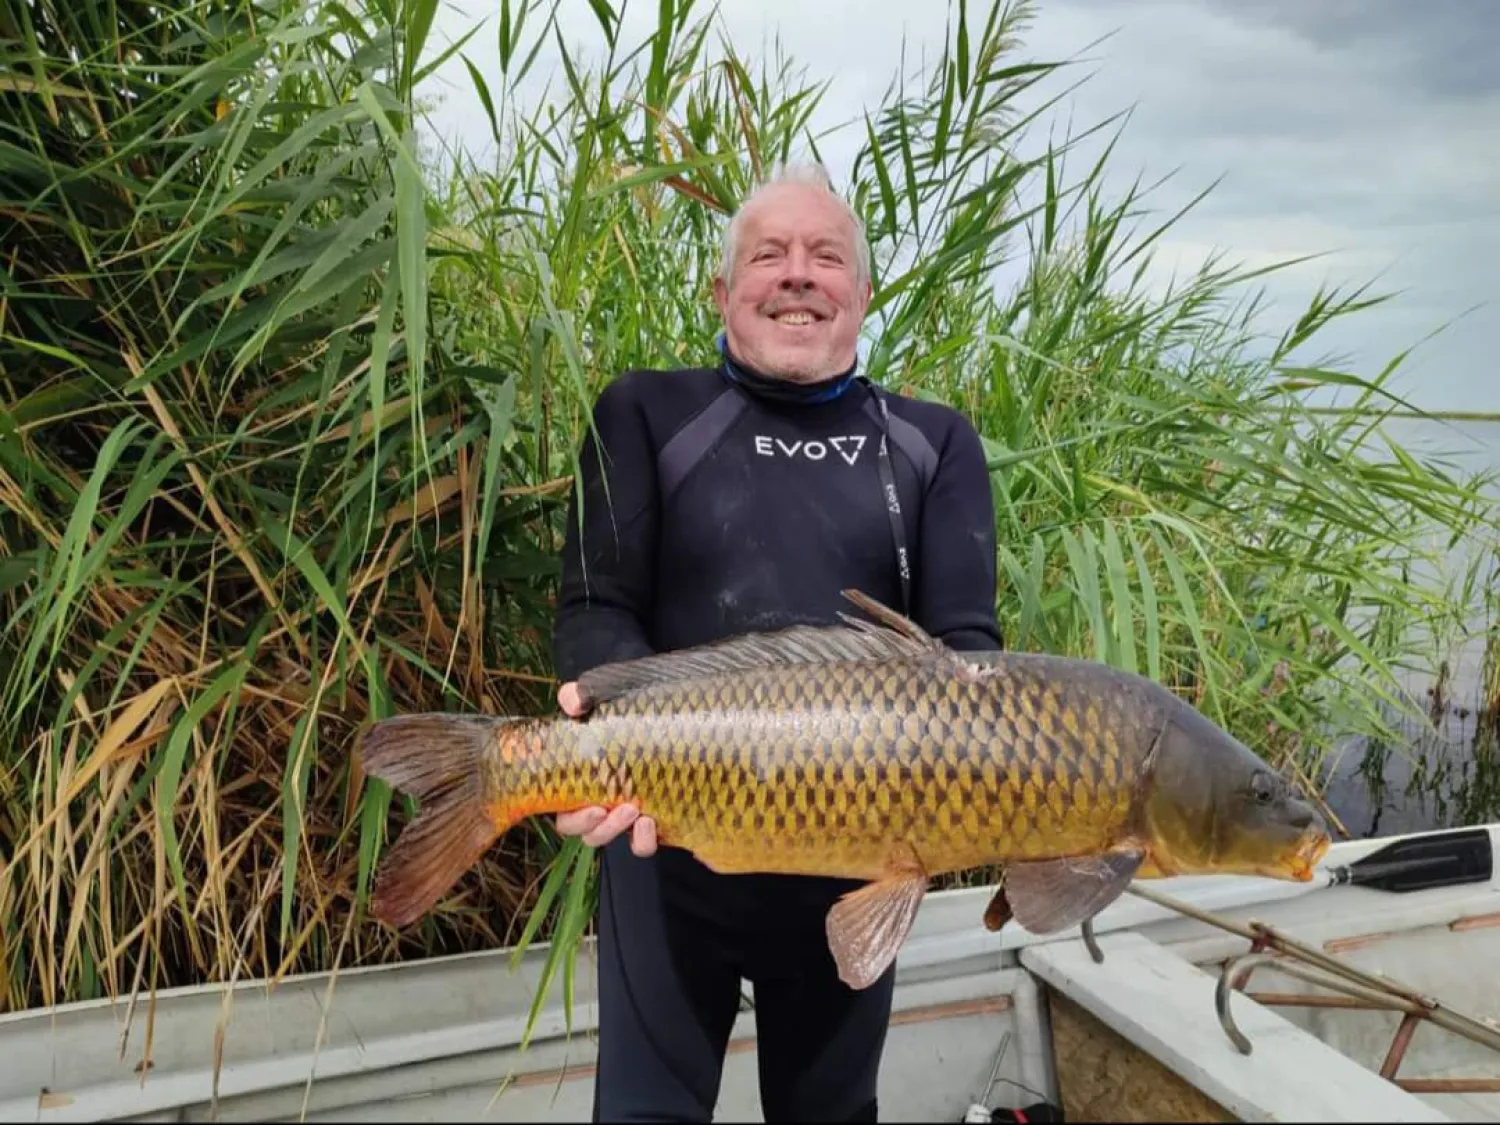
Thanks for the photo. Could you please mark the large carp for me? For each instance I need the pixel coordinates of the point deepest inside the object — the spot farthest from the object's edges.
(864, 750)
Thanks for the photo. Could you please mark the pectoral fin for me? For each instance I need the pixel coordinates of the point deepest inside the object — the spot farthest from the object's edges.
(1046, 896)
(867, 927)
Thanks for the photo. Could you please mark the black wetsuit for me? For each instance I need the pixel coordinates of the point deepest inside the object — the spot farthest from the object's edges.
(763, 510)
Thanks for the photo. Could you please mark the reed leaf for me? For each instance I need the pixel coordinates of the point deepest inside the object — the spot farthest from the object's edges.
(291, 399)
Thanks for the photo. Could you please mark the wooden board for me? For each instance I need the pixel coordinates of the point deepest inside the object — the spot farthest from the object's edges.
(1102, 1076)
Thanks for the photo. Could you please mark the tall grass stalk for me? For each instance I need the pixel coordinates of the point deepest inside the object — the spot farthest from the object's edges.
(289, 406)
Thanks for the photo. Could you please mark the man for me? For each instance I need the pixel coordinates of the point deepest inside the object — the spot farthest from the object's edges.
(744, 497)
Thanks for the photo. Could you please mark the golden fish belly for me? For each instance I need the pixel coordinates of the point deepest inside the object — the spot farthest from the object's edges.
(844, 769)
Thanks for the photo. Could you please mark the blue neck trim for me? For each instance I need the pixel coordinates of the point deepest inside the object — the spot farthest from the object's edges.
(766, 386)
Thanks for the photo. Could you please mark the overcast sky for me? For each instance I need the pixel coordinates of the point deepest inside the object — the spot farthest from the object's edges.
(1364, 130)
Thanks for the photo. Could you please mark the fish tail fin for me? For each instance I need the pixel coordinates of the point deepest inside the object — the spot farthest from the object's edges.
(438, 759)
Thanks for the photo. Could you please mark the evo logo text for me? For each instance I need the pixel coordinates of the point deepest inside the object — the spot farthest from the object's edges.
(847, 446)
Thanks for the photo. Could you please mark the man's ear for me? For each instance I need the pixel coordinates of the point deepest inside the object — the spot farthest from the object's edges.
(721, 297)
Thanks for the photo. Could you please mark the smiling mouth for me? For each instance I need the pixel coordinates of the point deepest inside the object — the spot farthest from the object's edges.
(797, 318)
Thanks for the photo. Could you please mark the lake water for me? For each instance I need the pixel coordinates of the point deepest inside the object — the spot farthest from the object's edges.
(1443, 776)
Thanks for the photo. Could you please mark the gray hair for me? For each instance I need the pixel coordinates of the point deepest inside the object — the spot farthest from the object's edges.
(811, 173)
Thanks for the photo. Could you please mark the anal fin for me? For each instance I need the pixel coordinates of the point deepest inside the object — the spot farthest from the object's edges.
(998, 912)
(866, 928)
(1046, 896)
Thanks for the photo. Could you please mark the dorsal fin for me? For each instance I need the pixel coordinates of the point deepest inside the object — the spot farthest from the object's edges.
(795, 644)
(888, 617)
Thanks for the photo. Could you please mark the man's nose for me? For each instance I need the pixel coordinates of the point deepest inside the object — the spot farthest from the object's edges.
(796, 272)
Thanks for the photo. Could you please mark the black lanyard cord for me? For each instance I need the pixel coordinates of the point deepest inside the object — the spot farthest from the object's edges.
(893, 501)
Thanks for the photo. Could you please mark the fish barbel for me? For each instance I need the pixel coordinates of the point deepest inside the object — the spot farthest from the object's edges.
(865, 750)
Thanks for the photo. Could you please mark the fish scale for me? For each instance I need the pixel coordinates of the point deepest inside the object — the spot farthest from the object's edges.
(866, 751)
(969, 772)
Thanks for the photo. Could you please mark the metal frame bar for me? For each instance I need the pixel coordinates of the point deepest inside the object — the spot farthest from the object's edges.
(1360, 990)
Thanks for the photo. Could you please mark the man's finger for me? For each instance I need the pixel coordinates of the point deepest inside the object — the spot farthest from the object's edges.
(643, 837)
(570, 699)
(616, 822)
(579, 821)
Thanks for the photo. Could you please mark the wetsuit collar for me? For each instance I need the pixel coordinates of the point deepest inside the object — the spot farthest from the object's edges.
(781, 390)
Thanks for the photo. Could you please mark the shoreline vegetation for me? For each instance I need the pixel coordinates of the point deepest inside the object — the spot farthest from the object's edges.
(289, 406)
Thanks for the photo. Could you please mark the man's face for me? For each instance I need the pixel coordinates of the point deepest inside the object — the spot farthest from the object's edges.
(794, 304)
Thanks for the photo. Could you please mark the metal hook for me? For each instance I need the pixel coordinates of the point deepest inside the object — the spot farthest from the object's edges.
(1236, 975)
(1090, 942)
(1223, 990)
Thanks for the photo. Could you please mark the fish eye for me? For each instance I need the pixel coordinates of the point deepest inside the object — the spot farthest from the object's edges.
(1262, 789)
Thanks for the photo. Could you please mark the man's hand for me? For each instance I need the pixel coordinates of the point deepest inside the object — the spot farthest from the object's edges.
(596, 825)
(570, 700)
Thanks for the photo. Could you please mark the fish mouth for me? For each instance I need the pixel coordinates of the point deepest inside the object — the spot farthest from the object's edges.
(1305, 857)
